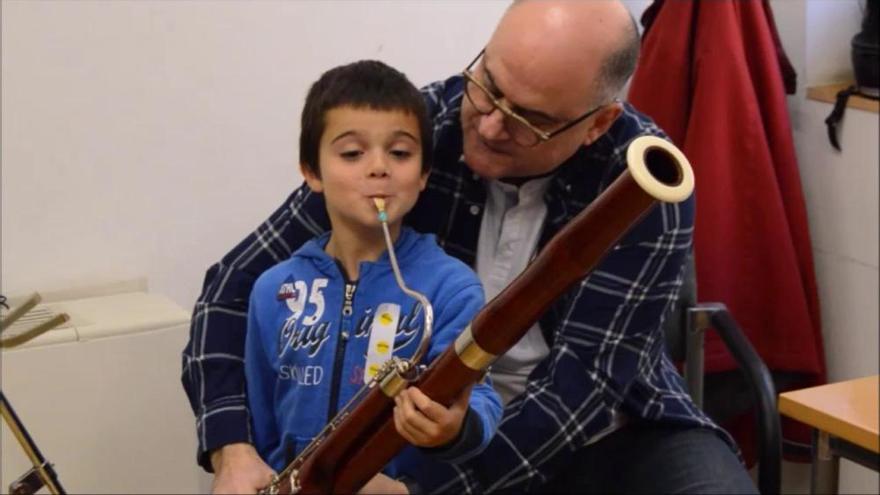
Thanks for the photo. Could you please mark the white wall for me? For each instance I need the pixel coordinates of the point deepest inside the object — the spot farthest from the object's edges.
(147, 137)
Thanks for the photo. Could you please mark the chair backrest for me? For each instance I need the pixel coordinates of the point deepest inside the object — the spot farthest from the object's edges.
(752, 383)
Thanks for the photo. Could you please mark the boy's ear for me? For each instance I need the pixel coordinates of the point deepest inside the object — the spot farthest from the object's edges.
(423, 180)
(311, 178)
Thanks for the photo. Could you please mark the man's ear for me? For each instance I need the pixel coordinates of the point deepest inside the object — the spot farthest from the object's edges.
(311, 178)
(602, 121)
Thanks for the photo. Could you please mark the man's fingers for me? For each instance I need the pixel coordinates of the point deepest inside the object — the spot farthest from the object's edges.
(267, 476)
(241, 471)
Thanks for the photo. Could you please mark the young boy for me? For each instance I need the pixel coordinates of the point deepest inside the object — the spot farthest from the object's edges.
(323, 321)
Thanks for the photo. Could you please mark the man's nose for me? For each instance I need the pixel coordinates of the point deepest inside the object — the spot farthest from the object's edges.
(491, 126)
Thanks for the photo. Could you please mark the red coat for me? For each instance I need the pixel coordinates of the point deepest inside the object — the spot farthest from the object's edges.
(710, 76)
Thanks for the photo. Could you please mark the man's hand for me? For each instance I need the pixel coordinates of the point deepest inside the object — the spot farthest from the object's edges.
(425, 423)
(381, 484)
(239, 469)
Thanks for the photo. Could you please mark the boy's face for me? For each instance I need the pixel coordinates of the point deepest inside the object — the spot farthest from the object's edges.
(367, 153)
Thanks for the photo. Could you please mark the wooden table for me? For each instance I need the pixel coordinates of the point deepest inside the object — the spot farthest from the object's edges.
(844, 418)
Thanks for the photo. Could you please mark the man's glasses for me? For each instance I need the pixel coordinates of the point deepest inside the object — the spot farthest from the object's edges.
(520, 129)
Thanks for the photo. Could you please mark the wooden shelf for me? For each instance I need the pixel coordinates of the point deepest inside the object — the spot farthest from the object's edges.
(828, 94)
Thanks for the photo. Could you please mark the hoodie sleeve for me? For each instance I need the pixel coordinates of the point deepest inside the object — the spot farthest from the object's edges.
(452, 315)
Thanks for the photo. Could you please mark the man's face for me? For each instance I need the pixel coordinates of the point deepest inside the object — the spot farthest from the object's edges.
(366, 154)
(489, 148)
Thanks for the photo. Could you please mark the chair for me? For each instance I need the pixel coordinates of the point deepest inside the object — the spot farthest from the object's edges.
(685, 329)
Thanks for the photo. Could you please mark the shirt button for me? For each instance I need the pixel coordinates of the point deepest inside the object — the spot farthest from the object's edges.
(475, 210)
(568, 188)
(475, 176)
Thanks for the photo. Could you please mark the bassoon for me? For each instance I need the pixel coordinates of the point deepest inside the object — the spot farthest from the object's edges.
(361, 440)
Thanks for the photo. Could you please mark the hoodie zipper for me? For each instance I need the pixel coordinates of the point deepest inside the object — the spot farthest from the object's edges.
(341, 343)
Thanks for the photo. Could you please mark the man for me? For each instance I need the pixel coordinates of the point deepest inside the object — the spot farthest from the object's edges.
(524, 140)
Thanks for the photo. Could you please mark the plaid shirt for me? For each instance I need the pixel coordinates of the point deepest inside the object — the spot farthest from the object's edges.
(607, 354)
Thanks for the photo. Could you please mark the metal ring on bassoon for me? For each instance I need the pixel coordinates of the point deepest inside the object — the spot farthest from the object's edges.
(393, 384)
(471, 354)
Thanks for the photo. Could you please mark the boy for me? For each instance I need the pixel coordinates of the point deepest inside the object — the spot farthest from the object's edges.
(322, 322)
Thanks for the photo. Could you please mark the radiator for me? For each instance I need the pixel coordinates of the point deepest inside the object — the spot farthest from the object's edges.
(102, 399)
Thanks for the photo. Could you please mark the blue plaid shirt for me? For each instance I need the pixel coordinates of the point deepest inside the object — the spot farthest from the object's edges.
(607, 354)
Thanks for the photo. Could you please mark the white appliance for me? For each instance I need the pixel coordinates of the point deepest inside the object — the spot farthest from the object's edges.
(102, 399)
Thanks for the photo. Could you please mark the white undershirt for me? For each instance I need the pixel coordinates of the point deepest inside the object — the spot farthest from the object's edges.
(509, 236)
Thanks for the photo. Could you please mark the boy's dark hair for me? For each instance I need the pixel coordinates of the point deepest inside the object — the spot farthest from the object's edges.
(365, 84)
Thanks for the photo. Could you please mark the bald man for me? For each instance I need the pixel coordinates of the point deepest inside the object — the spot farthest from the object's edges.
(525, 138)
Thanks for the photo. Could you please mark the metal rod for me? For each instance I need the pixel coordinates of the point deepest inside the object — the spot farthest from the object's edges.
(824, 473)
(855, 453)
(426, 305)
(47, 474)
(694, 335)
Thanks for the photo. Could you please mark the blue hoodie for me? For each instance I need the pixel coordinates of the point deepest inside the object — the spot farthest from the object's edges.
(307, 343)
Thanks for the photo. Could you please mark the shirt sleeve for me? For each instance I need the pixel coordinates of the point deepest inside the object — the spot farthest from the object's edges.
(213, 364)
(611, 332)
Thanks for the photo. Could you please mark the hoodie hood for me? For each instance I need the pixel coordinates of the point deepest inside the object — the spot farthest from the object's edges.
(405, 247)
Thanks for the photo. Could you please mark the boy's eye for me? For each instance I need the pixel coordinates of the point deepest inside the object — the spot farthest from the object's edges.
(402, 154)
(351, 154)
